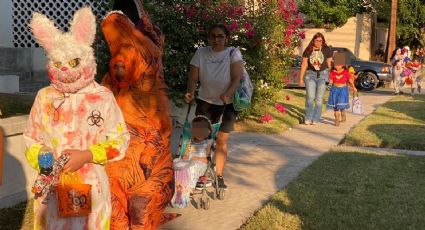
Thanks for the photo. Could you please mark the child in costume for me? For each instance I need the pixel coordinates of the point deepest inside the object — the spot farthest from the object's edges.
(193, 165)
(75, 117)
(416, 75)
(199, 148)
(340, 78)
(142, 184)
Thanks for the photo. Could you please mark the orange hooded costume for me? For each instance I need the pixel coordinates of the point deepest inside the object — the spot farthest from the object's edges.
(142, 183)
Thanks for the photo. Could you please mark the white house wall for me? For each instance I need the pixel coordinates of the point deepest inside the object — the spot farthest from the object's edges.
(354, 35)
(6, 23)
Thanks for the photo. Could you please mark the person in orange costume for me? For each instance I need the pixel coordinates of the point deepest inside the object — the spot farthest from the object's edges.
(142, 183)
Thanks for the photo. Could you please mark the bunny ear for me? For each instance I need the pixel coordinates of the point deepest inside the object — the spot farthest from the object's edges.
(83, 26)
(44, 30)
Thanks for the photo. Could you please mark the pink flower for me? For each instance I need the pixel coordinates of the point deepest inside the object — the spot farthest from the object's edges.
(233, 26)
(288, 97)
(248, 26)
(288, 41)
(266, 118)
(286, 80)
(286, 15)
(250, 34)
(292, 5)
(301, 34)
(239, 10)
(191, 12)
(299, 21)
(280, 107)
(289, 33)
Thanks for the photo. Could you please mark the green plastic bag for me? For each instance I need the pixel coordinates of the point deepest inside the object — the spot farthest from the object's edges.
(243, 95)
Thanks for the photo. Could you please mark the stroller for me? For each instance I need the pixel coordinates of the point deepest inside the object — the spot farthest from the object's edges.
(181, 170)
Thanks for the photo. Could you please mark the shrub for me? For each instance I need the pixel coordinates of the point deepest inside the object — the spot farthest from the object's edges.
(266, 33)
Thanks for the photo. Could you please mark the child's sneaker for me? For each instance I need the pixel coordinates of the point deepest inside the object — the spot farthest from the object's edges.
(201, 181)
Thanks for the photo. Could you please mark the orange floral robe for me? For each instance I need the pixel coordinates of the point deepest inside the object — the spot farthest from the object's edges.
(143, 182)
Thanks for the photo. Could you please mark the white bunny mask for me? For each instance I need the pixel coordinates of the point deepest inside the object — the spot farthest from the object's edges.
(71, 64)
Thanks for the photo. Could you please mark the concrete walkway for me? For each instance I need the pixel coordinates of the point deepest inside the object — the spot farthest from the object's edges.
(259, 165)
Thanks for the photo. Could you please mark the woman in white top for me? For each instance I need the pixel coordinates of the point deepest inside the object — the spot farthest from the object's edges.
(218, 70)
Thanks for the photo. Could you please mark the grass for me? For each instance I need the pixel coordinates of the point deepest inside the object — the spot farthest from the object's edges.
(17, 217)
(15, 104)
(399, 123)
(295, 109)
(349, 190)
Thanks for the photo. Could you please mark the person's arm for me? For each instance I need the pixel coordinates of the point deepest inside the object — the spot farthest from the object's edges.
(304, 65)
(351, 82)
(117, 137)
(330, 81)
(329, 61)
(192, 80)
(236, 72)
(32, 133)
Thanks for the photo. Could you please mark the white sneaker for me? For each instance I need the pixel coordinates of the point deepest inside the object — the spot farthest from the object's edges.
(314, 123)
(307, 122)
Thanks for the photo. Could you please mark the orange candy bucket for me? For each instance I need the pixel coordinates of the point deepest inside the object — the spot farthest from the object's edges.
(74, 197)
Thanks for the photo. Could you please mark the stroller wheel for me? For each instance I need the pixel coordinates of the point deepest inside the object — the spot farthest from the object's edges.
(221, 193)
(199, 203)
(206, 203)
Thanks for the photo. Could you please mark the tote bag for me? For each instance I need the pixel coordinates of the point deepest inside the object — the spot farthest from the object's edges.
(243, 95)
(357, 105)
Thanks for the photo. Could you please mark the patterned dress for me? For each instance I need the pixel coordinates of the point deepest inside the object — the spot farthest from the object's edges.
(89, 119)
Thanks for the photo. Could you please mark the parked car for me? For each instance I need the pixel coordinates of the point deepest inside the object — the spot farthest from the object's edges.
(369, 73)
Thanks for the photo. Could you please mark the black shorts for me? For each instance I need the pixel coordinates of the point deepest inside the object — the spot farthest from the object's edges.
(213, 112)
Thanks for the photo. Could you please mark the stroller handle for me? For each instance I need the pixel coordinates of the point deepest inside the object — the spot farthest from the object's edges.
(188, 111)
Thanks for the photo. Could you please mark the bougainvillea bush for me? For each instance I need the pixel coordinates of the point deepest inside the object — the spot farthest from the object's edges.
(266, 31)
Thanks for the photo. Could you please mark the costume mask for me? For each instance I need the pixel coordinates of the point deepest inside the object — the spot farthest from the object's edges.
(71, 65)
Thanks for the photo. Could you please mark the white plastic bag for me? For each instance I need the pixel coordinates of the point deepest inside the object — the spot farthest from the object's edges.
(357, 105)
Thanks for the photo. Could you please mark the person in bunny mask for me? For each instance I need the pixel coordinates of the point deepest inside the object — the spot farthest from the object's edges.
(142, 183)
(74, 116)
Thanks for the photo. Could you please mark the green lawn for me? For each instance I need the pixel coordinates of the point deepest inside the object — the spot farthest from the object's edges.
(15, 104)
(350, 190)
(295, 109)
(17, 217)
(399, 123)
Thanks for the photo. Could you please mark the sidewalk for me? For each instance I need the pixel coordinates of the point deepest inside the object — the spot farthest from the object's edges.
(259, 165)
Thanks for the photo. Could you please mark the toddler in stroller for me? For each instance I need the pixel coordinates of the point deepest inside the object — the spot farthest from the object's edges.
(198, 149)
(193, 168)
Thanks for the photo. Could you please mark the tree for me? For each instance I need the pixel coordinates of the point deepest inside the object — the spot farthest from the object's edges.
(391, 34)
(410, 15)
(410, 20)
(330, 12)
